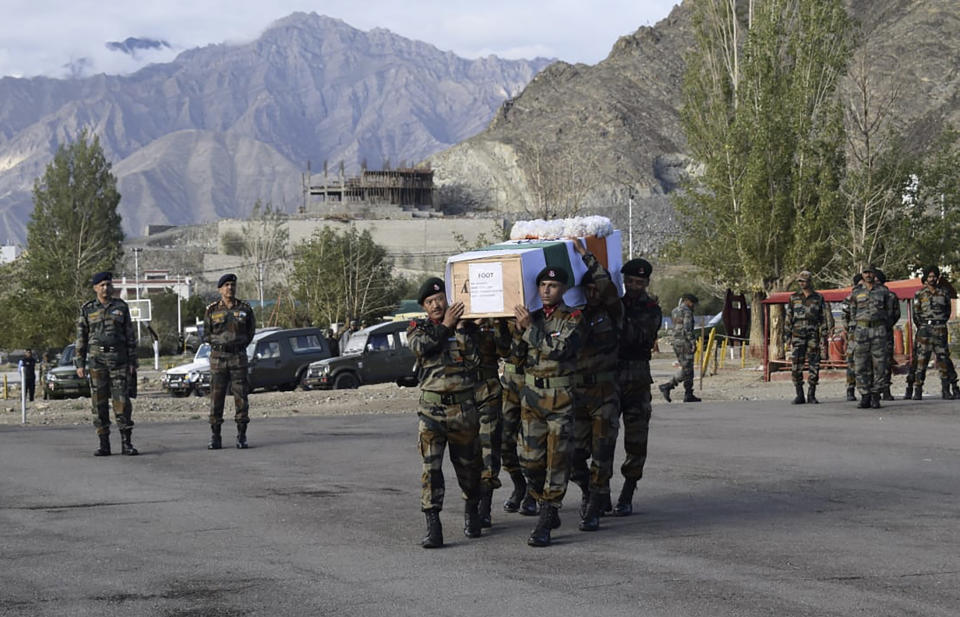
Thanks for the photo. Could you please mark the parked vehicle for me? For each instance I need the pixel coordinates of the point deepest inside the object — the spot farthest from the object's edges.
(190, 378)
(377, 354)
(279, 358)
(62, 381)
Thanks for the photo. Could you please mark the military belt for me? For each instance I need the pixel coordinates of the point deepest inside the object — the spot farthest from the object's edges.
(512, 368)
(107, 348)
(936, 322)
(447, 398)
(548, 382)
(231, 348)
(487, 373)
(594, 379)
(871, 323)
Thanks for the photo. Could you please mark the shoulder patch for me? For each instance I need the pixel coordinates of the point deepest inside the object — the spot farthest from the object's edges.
(576, 313)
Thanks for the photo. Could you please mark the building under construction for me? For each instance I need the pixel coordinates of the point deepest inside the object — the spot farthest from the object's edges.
(409, 187)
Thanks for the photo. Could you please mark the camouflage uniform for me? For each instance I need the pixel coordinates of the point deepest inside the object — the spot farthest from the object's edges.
(489, 397)
(684, 346)
(931, 311)
(850, 328)
(808, 321)
(513, 350)
(597, 394)
(894, 306)
(871, 310)
(107, 347)
(229, 331)
(447, 363)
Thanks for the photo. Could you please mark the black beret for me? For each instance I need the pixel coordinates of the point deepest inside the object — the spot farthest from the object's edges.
(551, 273)
(100, 277)
(226, 278)
(637, 267)
(432, 285)
(928, 270)
(691, 298)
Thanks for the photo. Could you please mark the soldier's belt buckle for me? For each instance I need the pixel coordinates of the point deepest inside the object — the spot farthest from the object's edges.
(539, 382)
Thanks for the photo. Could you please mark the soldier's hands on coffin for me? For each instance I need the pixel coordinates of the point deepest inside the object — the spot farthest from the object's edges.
(523, 316)
(579, 247)
(452, 315)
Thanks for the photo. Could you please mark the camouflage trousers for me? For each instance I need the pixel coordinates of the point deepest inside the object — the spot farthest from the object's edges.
(805, 348)
(870, 358)
(457, 426)
(510, 427)
(888, 373)
(596, 423)
(108, 388)
(489, 396)
(684, 352)
(546, 425)
(636, 410)
(851, 360)
(931, 340)
(229, 370)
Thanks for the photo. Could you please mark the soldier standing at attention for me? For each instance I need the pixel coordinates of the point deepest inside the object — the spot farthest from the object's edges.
(106, 341)
(684, 346)
(850, 328)
(870, 309)
(931, 311)
(807, 321)
(596, 419)
(447, 360)
(513, 350)
(489, 397)
(228, 325)
(45, 365)
(894, 303)
(642, 319)
(554, 337)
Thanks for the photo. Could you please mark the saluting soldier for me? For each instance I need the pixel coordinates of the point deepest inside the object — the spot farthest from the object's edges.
(850, 328)
(642, 318)
(228, 325)
(107, 345)
(684, 346)
(489, 396)
(870, 309)
(931, 312)
(808, 320)
(447, 361)
(554, 337)
(596, 420)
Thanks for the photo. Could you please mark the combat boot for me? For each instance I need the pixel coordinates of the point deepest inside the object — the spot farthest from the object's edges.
(471, 518)
(689, 396)
(584, 501)
(241, 436)
(590, 519)
(864, 401)
(665, 390)
(606, 506)
(812, 395)
(798, 400)
(945, 392)
(434, 537)
(625, 502)
(486, 501)
(104, 449)
(215, 442)
(851, 393)
(875, 400)
(887, 395)
(126, 446)
(549, 520)
(956, 390)
(512, 503)
(908, 395)
(528, 506)
(918, 392)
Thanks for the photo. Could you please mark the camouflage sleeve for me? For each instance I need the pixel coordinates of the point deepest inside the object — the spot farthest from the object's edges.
(502, 337)
(251, 325)
(688, 327)
(845, 314)
(207, 325)
(426, 339)
(565, 344)
(83, 335)
(608, 291)
(129, 336)
(894, 307)
(828, 323)
(468, 340)
(788, 317)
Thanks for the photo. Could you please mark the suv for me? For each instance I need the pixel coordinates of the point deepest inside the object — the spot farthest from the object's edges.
(377, 354)
(62, 381)
(279, 358)
(193, 377)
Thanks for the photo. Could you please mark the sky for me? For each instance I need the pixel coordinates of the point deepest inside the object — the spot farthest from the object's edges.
(55, 37)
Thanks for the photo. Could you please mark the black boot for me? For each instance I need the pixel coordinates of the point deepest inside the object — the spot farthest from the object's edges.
(549, 520)
(471, 518)
(606, 506)
(909, 393)
(486, 501)
(584, 500)
(812, 395)
(665, 390)
(945, 392)
(956, 391)
(590, 519)
(625, 502)
(887, 395)
(875, 400)
(104, 449)
(798, 399)
(126, 447)
(528, 506)
(434, 537)
(864, 401)
(215, 441)
(851, 393)
(689, 397)
(241, 436)
(512, 504)
(918, 392)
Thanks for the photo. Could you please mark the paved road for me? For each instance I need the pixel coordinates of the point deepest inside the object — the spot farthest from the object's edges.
(749, 509)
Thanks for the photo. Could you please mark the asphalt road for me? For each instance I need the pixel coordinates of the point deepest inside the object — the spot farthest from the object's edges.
(753, 509)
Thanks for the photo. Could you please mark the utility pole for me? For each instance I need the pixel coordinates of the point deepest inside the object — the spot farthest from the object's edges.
(630, 225)
(136, 267)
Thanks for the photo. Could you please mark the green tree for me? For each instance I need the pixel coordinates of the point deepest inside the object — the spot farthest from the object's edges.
(73, 232)
(763, 122)
(341, 276)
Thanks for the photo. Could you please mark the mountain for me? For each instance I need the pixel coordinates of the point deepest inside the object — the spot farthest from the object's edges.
(205, 136)
(619, 119)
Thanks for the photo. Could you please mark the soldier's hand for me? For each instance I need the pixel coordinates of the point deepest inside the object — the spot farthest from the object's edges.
(522, 316)
(452, 315)
(81, 373)
(579, 247)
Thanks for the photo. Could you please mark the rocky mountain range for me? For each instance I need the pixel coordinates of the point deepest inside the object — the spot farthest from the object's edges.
(205, 136)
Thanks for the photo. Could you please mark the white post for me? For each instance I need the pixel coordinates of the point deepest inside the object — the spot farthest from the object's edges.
(23, 395)
(179, 319)
(156, 354)
(630, 227)
(136, 267)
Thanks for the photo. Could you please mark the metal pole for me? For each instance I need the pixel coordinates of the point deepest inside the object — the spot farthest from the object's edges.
(23, 397)
(136, 267)
(630, 227)
(179, 318)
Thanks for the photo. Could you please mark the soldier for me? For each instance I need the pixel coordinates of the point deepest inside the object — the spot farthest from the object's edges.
(513, 350)
(596, 394)
(228, 325)
(45, 365)
(808, 320)
(931, 311)
(894, 303)
(850, 328)
(447, 360)
(489, 397)
(642, 319)
(870, 309)
(554, 337)
(28, 373)
(107, 343)
(684, 345)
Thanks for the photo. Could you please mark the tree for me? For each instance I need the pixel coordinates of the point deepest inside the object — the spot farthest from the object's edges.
(265, 239)
(342, 276)
(73, 232)
(763, 122)
(559, 180)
